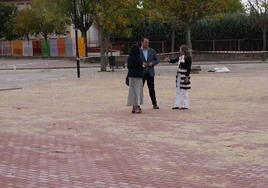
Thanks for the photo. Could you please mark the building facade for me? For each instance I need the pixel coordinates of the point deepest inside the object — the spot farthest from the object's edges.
(20, 3)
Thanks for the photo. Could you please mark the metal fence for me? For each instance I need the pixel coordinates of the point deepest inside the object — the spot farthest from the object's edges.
(202, 45)
(228, 45)
(66, 47)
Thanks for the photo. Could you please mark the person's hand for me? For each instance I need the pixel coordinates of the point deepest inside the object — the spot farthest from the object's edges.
(166, 60)
(144, 64)
(186, 80)
(150, 64)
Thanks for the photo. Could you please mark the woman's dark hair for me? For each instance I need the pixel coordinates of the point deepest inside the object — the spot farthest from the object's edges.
(134, 50)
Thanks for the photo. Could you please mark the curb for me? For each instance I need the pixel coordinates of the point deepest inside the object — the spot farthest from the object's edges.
(10, 89)
(97, 65)
(42, 68)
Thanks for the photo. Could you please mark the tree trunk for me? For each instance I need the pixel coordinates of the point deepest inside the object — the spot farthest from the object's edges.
(173, 36)
(102, 50)
(107, 41)
(264, 42)
(45, 36)
(188, 38)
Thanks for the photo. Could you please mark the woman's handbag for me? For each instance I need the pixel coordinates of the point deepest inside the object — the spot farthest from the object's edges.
(127, 81)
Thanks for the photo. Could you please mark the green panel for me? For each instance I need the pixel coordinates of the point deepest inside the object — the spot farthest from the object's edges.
(45, 48)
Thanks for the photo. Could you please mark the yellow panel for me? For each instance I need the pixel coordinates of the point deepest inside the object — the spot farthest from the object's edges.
(81, 47)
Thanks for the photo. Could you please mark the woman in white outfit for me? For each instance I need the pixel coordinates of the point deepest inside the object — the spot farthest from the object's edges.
(183, 83)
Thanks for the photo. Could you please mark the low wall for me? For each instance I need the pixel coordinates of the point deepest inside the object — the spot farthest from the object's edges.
(229, 56)
(42, 48)
(200, 56)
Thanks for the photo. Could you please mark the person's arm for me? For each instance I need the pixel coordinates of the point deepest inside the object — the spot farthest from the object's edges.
(188, 63)
(128, 63)
(155, 58)
(174, 60)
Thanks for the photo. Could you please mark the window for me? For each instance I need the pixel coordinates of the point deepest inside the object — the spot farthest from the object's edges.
(20, 6)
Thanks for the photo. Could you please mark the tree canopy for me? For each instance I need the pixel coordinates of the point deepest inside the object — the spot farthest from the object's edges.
(186, 13)
(7, 11)
(23, 23)
(48, 18)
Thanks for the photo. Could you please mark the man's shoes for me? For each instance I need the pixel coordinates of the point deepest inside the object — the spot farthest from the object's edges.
(175, 108)
(183, 108)
(156, 107)
(139, 108)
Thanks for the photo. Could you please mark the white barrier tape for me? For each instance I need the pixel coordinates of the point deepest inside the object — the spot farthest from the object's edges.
(232, 52)
(214, 52)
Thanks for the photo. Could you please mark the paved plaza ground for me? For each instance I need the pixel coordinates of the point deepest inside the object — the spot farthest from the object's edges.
(57, 130)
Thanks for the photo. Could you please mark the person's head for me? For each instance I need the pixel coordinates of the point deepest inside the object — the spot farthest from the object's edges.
(184, 50)
(134, 50)
(144, 43)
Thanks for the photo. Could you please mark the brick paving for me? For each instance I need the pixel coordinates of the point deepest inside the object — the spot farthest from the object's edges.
(80, 133)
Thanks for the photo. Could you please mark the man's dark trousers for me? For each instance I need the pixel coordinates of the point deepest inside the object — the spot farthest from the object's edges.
(150, 84)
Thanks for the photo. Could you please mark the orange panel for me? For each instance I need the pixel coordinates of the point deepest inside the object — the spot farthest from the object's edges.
(17, 48)
(81, 47)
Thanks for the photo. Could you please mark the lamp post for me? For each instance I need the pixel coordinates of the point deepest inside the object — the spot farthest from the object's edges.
(76, 41)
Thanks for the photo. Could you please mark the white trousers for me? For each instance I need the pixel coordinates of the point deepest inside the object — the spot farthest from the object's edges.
(184, 92)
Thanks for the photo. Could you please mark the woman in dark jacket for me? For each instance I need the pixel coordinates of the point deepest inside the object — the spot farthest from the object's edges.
(183, 83)
(135, 91)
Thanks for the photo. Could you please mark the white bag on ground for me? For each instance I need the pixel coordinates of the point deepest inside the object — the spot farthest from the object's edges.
(222, 69)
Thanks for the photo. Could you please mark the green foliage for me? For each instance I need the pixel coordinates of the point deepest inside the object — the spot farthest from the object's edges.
(189, 12)
(7, 11)
(118, 16)
(234, 6)
(230, 26)
(23, 23)
(114, 16)
(43, 17)
(186, 11)
(48, 18)
(9, 32)
(84, 15)
(155, 31)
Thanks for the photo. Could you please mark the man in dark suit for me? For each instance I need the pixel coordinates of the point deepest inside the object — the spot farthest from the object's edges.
(149, 59)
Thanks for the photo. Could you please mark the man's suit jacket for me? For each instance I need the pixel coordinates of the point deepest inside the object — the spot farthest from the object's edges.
(152, 57)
